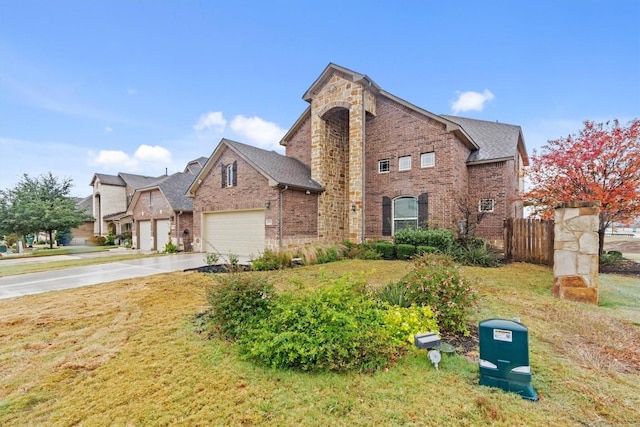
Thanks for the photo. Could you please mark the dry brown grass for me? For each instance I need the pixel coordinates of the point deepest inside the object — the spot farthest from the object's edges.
(127, 353)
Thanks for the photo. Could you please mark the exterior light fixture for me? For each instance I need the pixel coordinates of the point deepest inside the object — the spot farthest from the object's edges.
(267, 204)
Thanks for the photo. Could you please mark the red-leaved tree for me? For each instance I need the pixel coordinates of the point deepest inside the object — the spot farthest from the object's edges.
(601, 163)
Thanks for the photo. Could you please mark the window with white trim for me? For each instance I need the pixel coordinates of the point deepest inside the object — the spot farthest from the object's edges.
(230, 175)
(486, 205)
(384, 166)
(427, 160)
(404, 163)
(405, 213)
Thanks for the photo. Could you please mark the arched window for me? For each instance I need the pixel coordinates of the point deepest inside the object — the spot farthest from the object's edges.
(405, 213)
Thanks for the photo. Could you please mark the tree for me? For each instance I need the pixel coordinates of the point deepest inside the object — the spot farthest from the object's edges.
(39, 204)
(601, 163)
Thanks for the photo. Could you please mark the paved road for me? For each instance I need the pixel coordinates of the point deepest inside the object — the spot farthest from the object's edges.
(35, 283)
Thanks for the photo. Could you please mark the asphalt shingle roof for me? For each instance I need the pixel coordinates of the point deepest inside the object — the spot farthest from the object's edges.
(174, 188)
(282, 169)
(109, 179)
(496, 140)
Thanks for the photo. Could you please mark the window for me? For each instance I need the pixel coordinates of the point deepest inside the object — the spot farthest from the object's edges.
(404, 163)
(150, 198)
(229, 175)
(427, 160)
(486, 205)
(383, 166)
(405, 213)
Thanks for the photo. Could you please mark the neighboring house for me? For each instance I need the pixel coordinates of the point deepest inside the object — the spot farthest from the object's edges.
(360, 164)
(84, 232)
(162, 213)
(113, 194)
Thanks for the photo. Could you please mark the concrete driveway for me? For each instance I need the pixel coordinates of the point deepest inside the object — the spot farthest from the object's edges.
(35, 283)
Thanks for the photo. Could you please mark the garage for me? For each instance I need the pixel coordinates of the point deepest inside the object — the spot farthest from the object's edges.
(237, 232)
(144, 235)
(163, 226)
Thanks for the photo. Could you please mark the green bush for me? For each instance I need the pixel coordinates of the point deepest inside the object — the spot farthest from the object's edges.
(170, 247)
(478, 253)
(362, 251)
(63, 237)
(611, 258)
(386, 249)
(437, 238)
(238, 302)
(436, 281)
(396, 294)
(332, 329)
(402, 323)
(427, 250)
(212, 258)
(272, 260)
(329, 254)
(110, 239)
(405, 251)
(97, 241)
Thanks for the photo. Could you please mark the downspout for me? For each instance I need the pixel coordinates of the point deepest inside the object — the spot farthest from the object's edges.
(281, 218)
(364, 157)
(178, 230)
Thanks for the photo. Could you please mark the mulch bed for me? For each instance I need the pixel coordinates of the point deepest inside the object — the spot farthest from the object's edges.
(626, 268)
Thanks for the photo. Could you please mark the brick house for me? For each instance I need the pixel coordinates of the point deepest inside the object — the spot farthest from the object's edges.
(360, 164)
(118, 203)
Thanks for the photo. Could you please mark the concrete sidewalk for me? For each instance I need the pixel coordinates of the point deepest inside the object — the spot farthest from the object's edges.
(34, 283)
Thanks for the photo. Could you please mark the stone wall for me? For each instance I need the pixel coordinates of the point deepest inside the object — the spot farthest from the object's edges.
(576, 262)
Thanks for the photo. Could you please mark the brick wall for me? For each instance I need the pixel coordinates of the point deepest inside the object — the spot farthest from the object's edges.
(299, 146)
(251, 192)
(300, 217)
(493, 181)
(397, 131)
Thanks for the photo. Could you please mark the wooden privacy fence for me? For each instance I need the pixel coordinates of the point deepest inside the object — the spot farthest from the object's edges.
(528, 240)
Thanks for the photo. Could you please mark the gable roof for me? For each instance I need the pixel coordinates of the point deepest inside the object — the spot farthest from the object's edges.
(279, 170)
(496, 140)
(108, 179)
(372, 86)
(194, 166)
(173, 188)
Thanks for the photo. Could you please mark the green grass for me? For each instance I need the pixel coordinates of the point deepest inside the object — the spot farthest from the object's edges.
(126, 353)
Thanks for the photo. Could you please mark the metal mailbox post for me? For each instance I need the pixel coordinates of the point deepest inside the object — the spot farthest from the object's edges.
(504, 357)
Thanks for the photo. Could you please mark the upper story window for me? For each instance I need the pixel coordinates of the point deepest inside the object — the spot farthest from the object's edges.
(150, 198)
(404, 163)
(384, 166)
(427, 160)
(230, 174)
(405, 213)
(486, 205)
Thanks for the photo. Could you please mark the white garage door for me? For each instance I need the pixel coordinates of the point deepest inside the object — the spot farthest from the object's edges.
(237, 232)
(144, 235)
(162, 233)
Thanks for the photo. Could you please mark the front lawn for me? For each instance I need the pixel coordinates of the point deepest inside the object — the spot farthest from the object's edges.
(128, 353)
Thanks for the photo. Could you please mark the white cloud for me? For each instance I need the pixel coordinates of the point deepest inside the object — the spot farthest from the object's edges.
(108, 129)
(262, 133)
(146, 157)
(471, 100)
(213, 120)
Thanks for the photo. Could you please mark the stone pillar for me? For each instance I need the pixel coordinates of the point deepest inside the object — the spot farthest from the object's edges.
(575, 258)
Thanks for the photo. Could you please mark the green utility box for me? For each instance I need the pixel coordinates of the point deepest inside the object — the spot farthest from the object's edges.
(504, 357)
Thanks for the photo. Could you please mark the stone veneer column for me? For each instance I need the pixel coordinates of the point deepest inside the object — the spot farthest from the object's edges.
(575, 259)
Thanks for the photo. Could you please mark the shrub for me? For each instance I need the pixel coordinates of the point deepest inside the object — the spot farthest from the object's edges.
(395, 293)
(110, 239)
(611, 258)
(212, 258)
(238, 302)
(272, 260)
(329, 254)
(63, 237)
(332, 329)
(436, 281)
(402, 323)
(427, 250)
(404, 251)
(97, 241)
(362, 251)
(438, 238)
(476, 253)
(386, 249)
(170, 247)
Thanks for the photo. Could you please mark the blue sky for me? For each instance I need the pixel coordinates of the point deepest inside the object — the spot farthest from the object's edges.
(140, 86)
